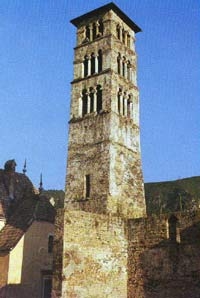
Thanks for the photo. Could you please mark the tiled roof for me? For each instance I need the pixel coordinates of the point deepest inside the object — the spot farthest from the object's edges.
(20, 206)
(36, 208)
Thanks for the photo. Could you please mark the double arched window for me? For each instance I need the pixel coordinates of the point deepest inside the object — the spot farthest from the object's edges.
(125, 104)
(94, 30)
(123, 35)
(92, 64)
(91, 100)
(125, 68)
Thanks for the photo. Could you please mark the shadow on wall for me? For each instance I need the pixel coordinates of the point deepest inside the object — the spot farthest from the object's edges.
(170, 268)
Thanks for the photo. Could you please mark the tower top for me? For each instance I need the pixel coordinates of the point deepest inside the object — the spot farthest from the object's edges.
(110, 6)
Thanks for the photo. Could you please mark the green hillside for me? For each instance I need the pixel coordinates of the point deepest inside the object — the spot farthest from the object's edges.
(178, 195)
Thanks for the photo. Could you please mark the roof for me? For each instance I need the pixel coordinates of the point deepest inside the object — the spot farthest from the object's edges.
(35, 208)
(110, 6)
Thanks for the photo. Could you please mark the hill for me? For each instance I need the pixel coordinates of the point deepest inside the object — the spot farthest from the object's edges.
(170, 196)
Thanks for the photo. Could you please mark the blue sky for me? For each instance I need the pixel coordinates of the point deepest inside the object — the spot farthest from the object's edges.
(36, 55)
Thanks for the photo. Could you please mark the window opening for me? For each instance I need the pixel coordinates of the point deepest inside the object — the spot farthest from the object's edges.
(88, 32)
(118, 31)
(94, 30)
(50, 244)
(118, 64)
(85, 102)
(173, 228)
(46, 286)
(128, 40)
(129, 107)
(100, 60)
(101, 27)
(91, 100)
(85, 66)
(87, 186)
(99, 98)
(123, 36)
(92, 64)
(123, 67)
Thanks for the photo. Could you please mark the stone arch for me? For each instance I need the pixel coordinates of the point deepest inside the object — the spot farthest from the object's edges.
(84, 102)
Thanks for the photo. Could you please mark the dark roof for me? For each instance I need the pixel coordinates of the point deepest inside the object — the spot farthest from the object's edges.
(35, 208)
(111, 6)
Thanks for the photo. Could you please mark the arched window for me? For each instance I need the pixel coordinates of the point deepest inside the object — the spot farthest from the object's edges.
(87, 32)
(124, 105)
(92, 64)
(94, 31)
(99, 98)
(119, 100)
(173, 221)
(100, 60)
(118, 31)
(123, 66)
(91, 100)
(85, 66)
(128, 40)
(128, 70)
(129, 105)
(101, 28)
(123, 35)
(50, 244)
(84, 102)
(119, 64)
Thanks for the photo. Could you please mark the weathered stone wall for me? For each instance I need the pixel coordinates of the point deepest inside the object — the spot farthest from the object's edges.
(105, 146)
(159, 267)
(58, 254)
(95, 256)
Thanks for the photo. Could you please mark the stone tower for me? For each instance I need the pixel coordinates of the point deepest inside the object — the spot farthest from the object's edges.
(104, 164)
(104, 184)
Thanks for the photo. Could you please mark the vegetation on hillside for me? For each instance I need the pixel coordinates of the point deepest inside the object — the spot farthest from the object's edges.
(171, 196)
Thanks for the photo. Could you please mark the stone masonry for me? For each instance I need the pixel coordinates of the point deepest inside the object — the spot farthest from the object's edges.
(104, 184)
(109, 247)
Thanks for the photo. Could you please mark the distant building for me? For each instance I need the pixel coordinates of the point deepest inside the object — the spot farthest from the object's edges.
(26, 237)
(109, 247)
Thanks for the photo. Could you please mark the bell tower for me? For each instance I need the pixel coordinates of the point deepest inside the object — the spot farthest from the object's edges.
(104, 162)
(104, 186)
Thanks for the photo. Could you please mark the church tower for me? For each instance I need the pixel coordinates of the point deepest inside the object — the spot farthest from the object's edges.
(104, 186)
(104, 163)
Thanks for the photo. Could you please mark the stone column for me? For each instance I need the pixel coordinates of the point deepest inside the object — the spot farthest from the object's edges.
(89, 66)
(125, 106)
(91, 32)
(88, 102)
(95, 101)
(96, 64)
(82, 70)
(97, 28)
